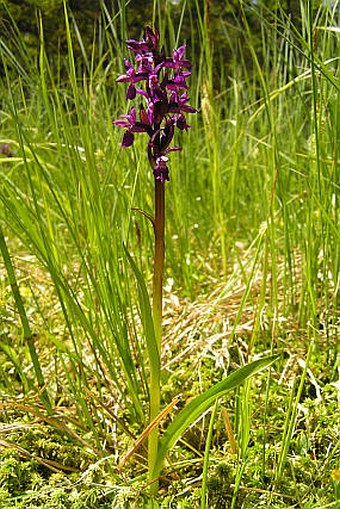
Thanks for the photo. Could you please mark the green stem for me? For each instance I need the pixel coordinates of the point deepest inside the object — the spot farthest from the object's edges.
(157, 306)
(207, 456)
(28, 335)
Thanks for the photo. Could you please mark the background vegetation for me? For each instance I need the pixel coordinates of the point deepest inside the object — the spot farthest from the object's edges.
(252, 256)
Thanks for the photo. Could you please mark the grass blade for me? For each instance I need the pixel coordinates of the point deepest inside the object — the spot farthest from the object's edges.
(28, 334)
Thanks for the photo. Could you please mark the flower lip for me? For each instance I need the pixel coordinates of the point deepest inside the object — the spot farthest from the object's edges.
(131, 92)
(128, 139)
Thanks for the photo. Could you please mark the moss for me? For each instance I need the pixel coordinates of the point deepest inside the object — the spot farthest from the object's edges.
(17, 476)
(51, 444)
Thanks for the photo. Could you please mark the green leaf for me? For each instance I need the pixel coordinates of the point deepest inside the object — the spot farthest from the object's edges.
(193, 410)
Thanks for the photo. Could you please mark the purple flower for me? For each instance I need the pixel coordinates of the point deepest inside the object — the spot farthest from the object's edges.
(136, 46)
(181, 123)
(178, 104)
(5, 149)
(165, 92)
(148, 44)
(161, 170)
(132, 77)
(177, 61)
(129, 122)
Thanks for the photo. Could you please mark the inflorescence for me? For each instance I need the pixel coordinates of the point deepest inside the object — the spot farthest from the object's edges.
(5, 150)
(165, 94)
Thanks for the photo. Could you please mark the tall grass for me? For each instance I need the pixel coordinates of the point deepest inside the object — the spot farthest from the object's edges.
(260, 169)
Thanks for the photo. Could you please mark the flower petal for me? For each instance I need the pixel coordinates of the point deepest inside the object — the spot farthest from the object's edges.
(131, 92)
(128, 139)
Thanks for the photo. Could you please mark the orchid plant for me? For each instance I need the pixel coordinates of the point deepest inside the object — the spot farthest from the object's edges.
(161, 82)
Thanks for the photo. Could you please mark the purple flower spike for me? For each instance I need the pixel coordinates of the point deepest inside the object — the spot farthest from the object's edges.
(5, 149)
(164, 92)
